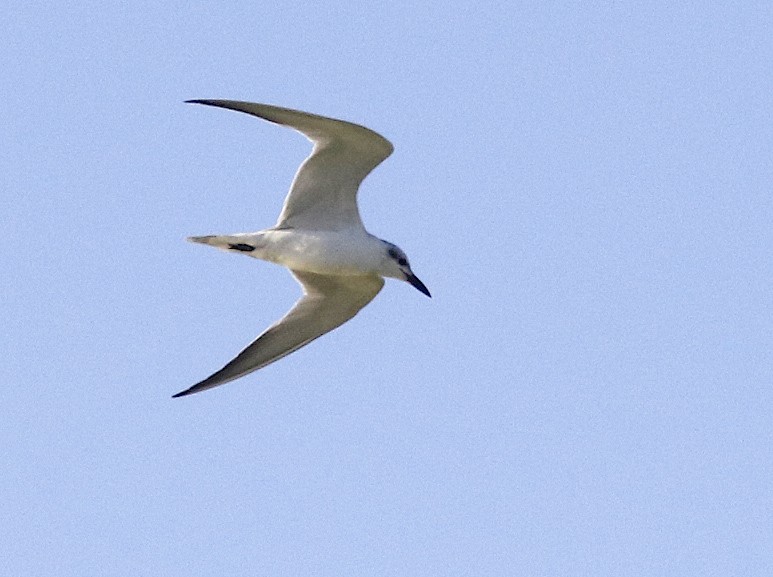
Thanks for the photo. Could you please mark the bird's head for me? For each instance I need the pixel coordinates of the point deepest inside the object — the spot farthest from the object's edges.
(396, 265)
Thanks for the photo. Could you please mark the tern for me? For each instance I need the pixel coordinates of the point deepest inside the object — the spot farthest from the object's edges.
(319, 236)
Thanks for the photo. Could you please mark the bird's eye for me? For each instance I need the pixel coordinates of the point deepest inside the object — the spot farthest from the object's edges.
(402, 262)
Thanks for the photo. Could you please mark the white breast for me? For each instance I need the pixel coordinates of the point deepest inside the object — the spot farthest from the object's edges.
(323, 252)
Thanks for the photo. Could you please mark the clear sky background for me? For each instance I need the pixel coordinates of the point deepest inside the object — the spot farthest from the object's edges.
(585, 187)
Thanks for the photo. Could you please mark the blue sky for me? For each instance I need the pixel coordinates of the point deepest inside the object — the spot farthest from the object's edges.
(584, 187)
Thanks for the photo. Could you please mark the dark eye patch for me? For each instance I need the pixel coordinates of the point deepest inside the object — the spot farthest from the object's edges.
(395, 253)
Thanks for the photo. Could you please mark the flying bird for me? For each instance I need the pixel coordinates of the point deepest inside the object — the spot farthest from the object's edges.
(319, 236)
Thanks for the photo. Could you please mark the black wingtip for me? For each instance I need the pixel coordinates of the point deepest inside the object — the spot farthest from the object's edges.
(183, 393)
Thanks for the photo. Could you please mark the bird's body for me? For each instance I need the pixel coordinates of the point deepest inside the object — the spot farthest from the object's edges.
(346, 252)
(319, 236)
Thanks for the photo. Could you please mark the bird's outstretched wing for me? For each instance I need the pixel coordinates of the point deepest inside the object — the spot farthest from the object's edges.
(327, 302)
(323, 195)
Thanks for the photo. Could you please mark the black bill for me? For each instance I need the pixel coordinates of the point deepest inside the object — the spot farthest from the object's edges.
(414, 280)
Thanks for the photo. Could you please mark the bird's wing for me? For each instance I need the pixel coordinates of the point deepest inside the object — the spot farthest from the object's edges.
(327, 302)
(323, 195)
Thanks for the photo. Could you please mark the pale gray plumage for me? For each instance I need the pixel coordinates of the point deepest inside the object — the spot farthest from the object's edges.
(327, 302)
(319, 236)
(343, 155)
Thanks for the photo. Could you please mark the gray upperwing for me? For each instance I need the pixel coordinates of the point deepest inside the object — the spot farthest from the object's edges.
(328, 302)
(323, 195)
